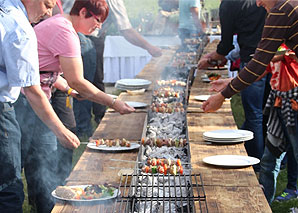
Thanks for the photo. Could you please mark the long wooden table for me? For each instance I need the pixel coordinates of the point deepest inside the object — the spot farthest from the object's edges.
(227, 190)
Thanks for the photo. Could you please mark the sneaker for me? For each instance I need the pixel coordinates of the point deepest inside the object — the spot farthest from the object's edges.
(286, 195)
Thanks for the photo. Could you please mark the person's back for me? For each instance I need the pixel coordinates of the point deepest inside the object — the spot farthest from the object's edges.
(246, 21)
(14, 28)
(185, 17)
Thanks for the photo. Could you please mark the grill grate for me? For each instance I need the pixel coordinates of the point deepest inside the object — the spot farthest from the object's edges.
(161, 193)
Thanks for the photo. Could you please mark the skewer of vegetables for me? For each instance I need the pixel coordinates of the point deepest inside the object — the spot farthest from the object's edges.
(159, 142)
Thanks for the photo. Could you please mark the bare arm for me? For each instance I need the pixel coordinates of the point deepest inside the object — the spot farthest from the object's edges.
(135, 38)
(45, 112)
(73, 72)
(195, 15)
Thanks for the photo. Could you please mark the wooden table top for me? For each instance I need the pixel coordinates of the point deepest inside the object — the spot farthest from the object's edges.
(227, 190)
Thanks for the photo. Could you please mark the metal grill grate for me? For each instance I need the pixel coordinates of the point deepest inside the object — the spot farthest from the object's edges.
(161, 193)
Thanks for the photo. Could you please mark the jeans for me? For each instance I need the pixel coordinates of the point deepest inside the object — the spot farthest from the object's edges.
(270, 164)
(82, 109)
(252, 100)
(11, 186)
(64, 155)
(39, 156)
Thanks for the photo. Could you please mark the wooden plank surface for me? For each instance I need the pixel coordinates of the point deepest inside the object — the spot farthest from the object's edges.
(235, 199)
(114, 126)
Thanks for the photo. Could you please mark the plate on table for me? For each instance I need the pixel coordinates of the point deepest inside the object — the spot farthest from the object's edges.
(206, 80)
(92, 145)
(231, 160)
(201, 97)
(133, 82)
(135, 104)
(227, 141)
(73, 194)
(228, 134)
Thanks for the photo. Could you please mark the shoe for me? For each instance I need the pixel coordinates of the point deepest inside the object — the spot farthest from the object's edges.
(286, 195)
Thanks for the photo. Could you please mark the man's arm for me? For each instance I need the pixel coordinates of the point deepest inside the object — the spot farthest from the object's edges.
(135, 38)
(45, 112)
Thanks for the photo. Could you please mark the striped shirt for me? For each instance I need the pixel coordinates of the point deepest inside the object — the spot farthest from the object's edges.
(281, 26)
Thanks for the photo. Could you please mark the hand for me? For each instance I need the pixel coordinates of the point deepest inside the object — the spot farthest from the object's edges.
(203, 63)
(68, 139)
(122, 107)
(76, 95)
(219, 85)
(155, 51)
(213, 103)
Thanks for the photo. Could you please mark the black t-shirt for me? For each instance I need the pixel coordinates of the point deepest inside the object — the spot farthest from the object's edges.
(245, 21)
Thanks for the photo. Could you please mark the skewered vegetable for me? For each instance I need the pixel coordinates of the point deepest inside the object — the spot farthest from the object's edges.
(115, 142)
(177, 142)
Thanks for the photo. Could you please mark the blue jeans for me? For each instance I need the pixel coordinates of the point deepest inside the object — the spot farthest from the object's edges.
(39, 156)
(270, 164)
(64, 155)
(82, 109)
(252, 100)
(11, 186)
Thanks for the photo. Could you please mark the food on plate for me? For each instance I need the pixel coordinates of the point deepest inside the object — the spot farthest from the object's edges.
(88, 193)
(163, 166)
(171, 83)
(166, 92)
(159, 142)
(167, 107)
(114, 142)
(213, 76)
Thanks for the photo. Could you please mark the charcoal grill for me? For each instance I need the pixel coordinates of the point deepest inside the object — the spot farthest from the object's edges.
(180, 193)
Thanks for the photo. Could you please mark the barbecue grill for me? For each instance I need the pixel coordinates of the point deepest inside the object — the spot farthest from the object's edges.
(161, 193)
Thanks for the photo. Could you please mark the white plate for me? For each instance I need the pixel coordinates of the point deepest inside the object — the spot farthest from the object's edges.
(228, 134)
(113, 148)
(136, 104)
(201, 97)
(206, 80)
(116, 194)
(231, 160)
(227, 141)
(133, 82)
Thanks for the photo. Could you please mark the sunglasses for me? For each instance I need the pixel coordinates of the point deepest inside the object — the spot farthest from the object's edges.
(94, 16)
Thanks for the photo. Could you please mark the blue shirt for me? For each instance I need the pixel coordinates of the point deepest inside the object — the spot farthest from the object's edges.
(185, 17)
(18, 51)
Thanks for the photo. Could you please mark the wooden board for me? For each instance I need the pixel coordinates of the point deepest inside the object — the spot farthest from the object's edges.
(114, 126)
(236, 199)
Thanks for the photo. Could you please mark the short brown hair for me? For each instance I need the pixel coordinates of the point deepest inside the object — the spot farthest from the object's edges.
(98, 7)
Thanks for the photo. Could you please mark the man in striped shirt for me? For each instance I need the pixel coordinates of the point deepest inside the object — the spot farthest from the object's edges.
(281, 26)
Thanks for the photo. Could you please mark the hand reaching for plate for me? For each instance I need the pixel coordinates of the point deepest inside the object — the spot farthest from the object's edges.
(213, 103)
(219, 85)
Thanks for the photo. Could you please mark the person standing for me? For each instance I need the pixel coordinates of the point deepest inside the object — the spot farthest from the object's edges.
(245, 19)
(189, 19)
(118, 16)
(19, 69)
(59, 52)
(281, 26)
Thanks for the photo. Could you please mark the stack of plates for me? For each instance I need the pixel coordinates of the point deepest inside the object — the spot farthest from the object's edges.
(132, 84)
(228, 136)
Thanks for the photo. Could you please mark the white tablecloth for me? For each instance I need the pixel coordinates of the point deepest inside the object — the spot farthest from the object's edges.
(122, 59)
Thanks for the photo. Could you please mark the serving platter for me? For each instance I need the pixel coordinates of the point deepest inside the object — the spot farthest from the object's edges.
(133, 146)
(116, 193)
(231, 160)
